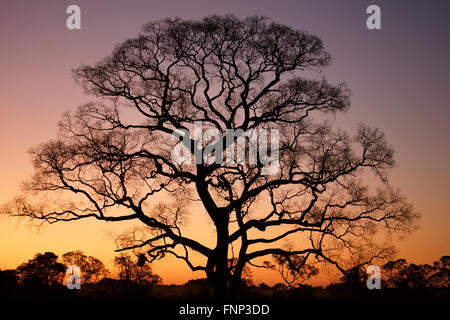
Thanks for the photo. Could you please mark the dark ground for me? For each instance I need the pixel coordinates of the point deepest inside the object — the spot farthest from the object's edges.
(119, 299)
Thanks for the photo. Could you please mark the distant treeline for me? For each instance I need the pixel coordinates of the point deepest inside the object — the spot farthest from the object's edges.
(45, 277)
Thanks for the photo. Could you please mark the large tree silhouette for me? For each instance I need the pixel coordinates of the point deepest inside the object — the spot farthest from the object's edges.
(115, 156)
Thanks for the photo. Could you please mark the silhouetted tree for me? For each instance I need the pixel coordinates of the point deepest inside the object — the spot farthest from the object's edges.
(227, 74)
(395, 274)
(92, 269)
(355, 277)
(293, 269)
(130, 270)
(8, 282)
(43, 271)
(263, 285)
(400, 274)
(246, 273)
(441, 275)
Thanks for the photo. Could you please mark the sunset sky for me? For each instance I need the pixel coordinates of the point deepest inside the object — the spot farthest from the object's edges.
(399, 77)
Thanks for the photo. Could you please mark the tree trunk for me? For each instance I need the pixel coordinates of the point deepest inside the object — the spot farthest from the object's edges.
(236, 280)
(217, 267)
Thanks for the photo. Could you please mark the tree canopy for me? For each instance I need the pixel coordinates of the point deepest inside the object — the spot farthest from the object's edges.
(115, 157)
(92, 268)
(130, 270)
(42, 271)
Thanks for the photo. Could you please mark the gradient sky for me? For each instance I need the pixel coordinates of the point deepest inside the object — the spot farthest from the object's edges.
(399, 77)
